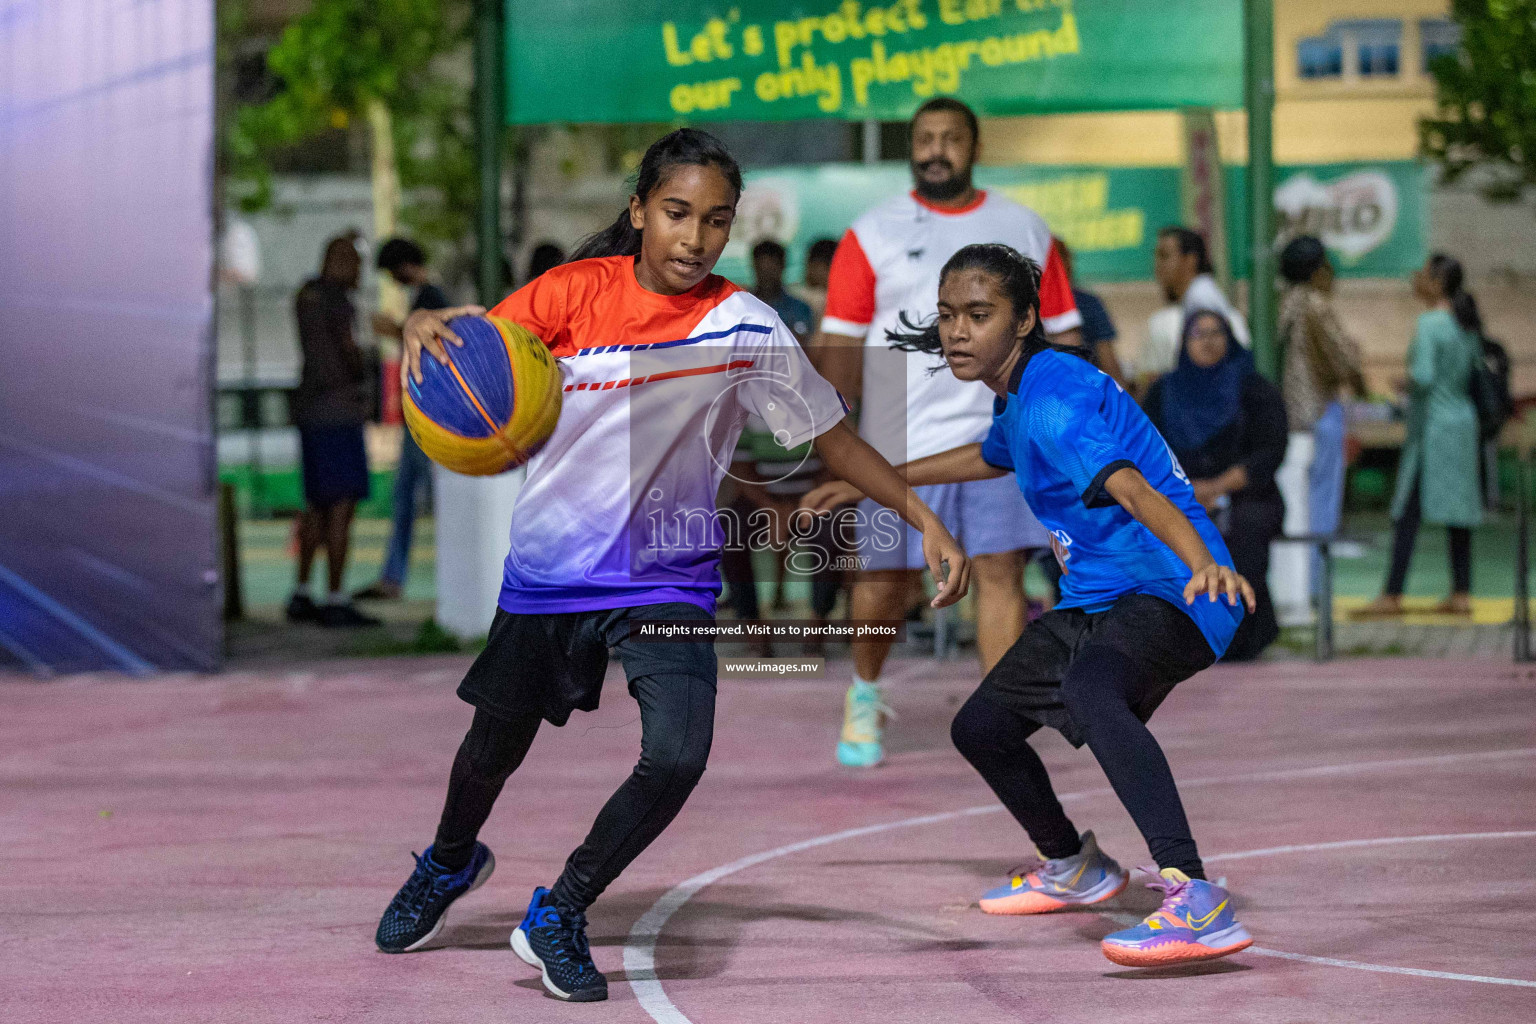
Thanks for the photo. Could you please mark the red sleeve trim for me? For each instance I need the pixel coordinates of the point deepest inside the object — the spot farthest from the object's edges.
(851, 284)
(1055, 289)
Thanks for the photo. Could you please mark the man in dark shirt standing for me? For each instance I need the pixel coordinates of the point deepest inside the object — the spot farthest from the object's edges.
(768, 260)
(330, 407)
(407, 264)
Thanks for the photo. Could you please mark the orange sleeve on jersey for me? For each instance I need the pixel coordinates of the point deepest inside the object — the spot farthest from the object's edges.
(1055, 290)
(539, 306)
(851, 283)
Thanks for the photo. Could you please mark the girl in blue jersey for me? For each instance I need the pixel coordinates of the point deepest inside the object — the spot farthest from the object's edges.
(1149, 598)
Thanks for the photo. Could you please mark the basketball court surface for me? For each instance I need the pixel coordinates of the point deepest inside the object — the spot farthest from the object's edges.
(187, 848)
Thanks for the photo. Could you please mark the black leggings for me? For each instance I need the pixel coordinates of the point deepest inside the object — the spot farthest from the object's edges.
(1406, 530)
(1099, 690)
(677, 714)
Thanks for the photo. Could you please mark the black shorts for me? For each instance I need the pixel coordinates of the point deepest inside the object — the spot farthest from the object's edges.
(553, 664)
(1154, 634)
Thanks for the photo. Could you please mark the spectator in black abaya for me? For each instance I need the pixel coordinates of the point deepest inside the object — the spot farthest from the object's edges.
(1227, 426)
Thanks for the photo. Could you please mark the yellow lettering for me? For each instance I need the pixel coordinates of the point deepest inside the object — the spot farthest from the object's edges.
(808, 28)
(720, 48)
(1066, 40)
(862, 71)
(964, 52)
(895, 17)
(922, 71)
(1096, 192)
(688, 97)
(824, 81)
(946, 71)
(949, 12)
(992, 52)
(834, 29)
(830, 88)
(854, 19)
(785, 33)
(675, 56)
(1023, 47)
(916, 19)
(725, 88)
(752, 40)
(980, 10)
(699, 48)
(874, 22)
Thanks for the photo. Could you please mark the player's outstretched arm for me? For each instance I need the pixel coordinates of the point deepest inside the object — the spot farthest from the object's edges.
(1154, 511)
(866, 471)
(952, 467)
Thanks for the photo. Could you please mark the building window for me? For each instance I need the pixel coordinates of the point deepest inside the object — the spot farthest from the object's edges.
(1357, 48)
(1378, 42)
(1319, 57)
(1440, 38)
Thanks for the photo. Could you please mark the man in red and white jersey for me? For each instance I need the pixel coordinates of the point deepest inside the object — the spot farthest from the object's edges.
(887, 265)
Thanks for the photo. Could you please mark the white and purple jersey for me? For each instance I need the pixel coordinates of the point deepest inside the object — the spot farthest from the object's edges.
(618, 508)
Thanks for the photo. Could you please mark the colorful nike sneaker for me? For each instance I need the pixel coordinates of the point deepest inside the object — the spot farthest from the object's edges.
(864, 714)
(555, 941)
(1088, 877)
(416, 914)
(1195, 922)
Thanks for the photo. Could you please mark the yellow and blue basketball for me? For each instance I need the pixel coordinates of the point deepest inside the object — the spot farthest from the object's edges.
(495, 403)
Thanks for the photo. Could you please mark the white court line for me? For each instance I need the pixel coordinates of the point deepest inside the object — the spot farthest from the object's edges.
(1328, 961)
(1345, 844)
(640, 948)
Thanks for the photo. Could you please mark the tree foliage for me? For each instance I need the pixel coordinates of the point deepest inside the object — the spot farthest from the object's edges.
(1487, 98)
(335, 60)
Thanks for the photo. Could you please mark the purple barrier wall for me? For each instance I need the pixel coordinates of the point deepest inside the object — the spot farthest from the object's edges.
(108, 554)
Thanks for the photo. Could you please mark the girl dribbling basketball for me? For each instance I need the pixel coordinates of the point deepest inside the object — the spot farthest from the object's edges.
(662, 361)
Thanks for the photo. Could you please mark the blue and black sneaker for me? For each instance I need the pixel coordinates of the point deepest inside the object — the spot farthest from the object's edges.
(555, 941)
(415, 915)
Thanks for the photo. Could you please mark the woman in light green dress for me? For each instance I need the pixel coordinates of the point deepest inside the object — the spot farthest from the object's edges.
(1437, 477)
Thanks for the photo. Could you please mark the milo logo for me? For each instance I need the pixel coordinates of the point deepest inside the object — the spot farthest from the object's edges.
(1352, 215)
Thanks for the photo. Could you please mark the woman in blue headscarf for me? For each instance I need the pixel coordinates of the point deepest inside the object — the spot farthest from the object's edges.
(1227, 426)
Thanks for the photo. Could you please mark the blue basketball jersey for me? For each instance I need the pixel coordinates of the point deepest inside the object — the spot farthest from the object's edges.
(1063, 430)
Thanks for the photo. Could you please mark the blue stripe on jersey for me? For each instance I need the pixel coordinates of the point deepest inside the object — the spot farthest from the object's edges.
(712, 336)
(1064, 429)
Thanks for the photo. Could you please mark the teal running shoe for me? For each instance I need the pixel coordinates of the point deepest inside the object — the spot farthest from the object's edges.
(1195, 922)
(864, 714)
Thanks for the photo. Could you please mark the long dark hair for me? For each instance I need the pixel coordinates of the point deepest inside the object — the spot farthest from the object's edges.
(1017, 275)
(686, 146)
(1447, 270)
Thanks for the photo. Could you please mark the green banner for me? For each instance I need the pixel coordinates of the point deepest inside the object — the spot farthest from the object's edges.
(778, 60)
(1371, 216)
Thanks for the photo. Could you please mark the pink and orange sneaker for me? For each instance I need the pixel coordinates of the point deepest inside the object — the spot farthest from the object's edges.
(1088, 877)
(1195, 922)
